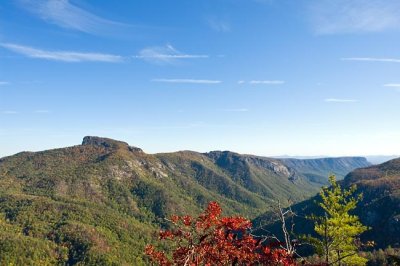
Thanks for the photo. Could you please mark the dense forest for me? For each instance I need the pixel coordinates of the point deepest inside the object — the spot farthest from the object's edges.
(103, 202)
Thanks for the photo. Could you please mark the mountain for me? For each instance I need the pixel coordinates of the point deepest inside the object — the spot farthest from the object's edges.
(379, 208)
(318, 170)
(378, 159)
(99, 202)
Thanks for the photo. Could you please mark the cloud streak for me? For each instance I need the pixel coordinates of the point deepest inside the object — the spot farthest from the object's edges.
(234, 110)
(394, 85)
(64, 56)
(190, 81)
(41, 111)
(268, 82)
(336, 100)
(66, 15)
(9, 112)
(218, 25)
(372, 59)
(165, 55)
(261, 82)
(4, 83)
(353, 16)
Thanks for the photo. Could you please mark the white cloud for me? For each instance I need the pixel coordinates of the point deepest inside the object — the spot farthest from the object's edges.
(395, 85)
(165, 55)
(219, 25)
(9, 112)
(67, 15)
(267, 82)
(193, 81)
(234, 110)
(42, 112)
(30, 82)
(372, 59)
(65, 56)
(4, 83)
(335, 100)
(348, 16)
(264, 82)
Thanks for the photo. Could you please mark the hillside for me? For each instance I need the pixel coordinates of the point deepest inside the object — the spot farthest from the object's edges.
(99, 202)
(318, 170)
(379, 209)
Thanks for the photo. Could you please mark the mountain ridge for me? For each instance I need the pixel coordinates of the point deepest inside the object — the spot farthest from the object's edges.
(100, 200)
(379, 208)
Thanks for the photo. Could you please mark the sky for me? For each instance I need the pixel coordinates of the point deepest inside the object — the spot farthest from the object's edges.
(265, 77)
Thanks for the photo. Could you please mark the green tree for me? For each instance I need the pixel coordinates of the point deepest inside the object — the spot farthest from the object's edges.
(338, 230)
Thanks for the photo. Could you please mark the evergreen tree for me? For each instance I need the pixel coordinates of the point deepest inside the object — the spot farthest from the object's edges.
(338, 230)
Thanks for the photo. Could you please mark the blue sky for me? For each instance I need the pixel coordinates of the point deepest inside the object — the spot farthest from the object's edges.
(266, 77)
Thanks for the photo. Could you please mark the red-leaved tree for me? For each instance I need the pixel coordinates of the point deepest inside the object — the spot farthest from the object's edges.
(214, 240)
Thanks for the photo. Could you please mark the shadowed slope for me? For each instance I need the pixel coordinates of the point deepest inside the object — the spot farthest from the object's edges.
(379, 208)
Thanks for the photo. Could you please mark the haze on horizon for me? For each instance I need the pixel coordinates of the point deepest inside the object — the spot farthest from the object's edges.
(264, 77)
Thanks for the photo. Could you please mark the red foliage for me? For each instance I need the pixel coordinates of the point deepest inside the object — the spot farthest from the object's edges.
(214, 240)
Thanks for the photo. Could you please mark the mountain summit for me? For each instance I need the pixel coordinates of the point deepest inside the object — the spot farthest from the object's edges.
(108, 143)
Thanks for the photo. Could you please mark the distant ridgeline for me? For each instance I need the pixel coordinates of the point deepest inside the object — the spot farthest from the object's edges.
(100, 202)
(379, 208)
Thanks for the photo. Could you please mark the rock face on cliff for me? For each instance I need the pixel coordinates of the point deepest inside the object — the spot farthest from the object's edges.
(108, 143)
(314, 172)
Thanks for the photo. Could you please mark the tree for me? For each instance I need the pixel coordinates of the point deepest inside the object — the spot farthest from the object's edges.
(211, 239)
(338, 230)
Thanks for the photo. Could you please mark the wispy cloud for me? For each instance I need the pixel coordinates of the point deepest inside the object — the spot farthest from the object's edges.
(9, 112)
(336, 100)
(192, 81)
(267, 82)
(261, 82)
(234, 110)
(67, 15)
(42, 112)
(372, 59)
(349, 16)
(4, 83)
(395, 85)
(218, 24)
(30, 82)
(65, 56)
(165, 55)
